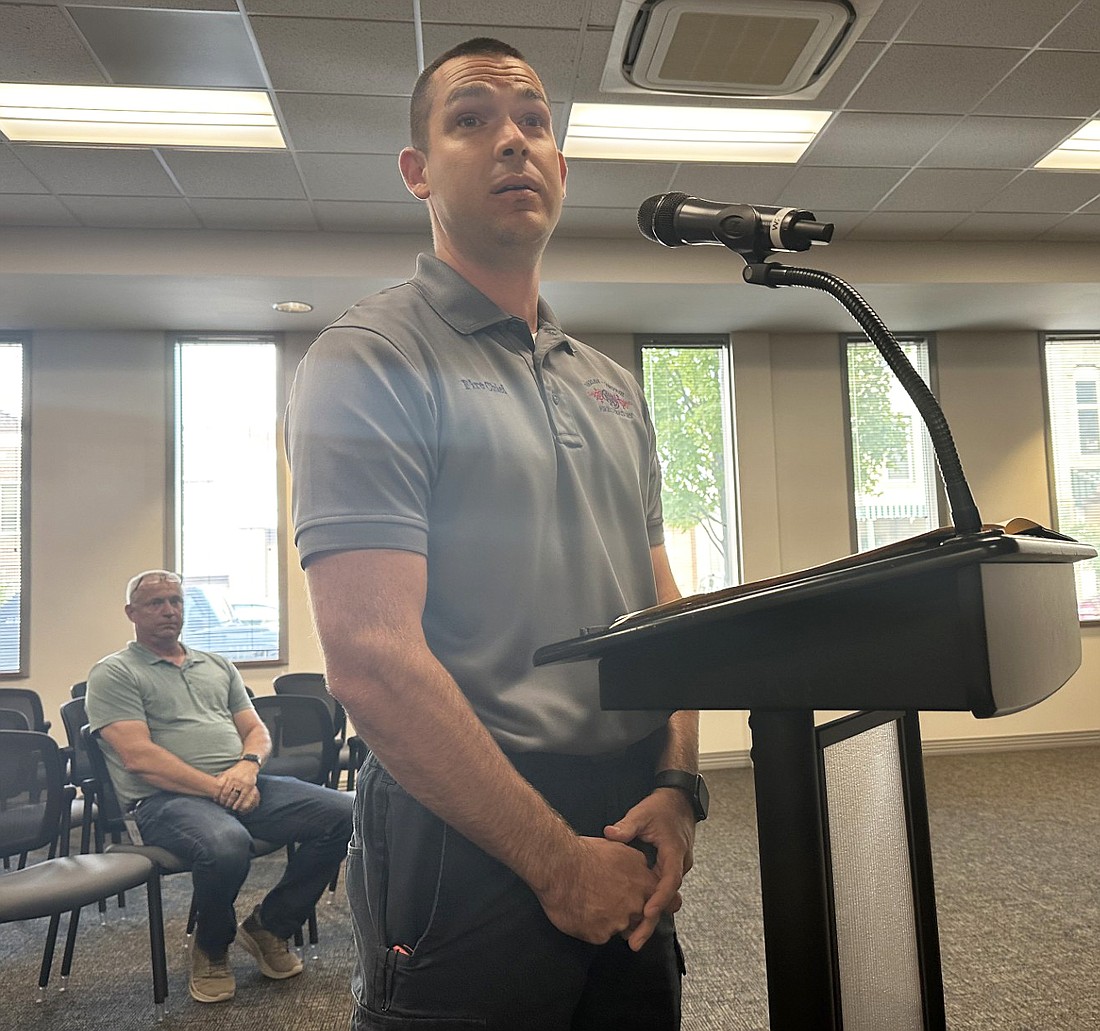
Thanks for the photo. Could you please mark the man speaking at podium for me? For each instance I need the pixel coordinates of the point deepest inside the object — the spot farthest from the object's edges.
(471, 483)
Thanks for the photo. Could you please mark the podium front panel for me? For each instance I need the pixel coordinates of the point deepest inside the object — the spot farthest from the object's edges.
(872, 884)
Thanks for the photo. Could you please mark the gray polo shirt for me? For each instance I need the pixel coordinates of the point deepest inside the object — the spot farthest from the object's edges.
(427, 419)
(189, 709)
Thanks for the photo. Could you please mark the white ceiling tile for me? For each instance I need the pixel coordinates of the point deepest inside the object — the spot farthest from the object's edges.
(111, 171)
(1015, 226)
(1047, 191)
(342, 124)
(204, 173)
(888, 19)
(599, 184)
(171, 48)
(561, 14)
(38, 44)
(180, 5)
(869, 140)
(604, 13)
(989, 23)
(844, 189)
(933, 189)
(733, 184)
(1083, 227)
(382, 10)
(850, 73)
(1080, 31)
(14, 175)
(989, 142)
(334, 56)
(932, 79)
(21, 209)
(552, 52)
(602, 223)
(291, 215)
(371, 217)
(359, 177)
(1049, 82)
(133, 212)
(928, 225)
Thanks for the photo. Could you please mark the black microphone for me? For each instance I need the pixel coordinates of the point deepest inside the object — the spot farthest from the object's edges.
(675, 220)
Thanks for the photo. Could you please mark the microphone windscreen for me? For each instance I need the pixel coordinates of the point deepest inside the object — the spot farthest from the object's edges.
(659, 216)
(645, 216)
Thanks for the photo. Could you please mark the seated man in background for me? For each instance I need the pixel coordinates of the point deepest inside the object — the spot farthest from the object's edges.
(185, 749)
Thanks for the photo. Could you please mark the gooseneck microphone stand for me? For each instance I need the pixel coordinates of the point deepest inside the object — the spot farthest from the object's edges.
(984, 623)
(964, 512)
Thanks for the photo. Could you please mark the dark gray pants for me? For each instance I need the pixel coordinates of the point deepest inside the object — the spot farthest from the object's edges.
(448, 938)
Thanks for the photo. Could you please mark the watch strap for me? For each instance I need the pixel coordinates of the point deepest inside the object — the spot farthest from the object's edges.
(692, 784)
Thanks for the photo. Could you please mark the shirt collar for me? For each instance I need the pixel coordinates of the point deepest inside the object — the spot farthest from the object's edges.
(462, 306)
(153, 658)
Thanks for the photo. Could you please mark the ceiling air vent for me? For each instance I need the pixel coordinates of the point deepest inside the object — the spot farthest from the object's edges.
(731, 48)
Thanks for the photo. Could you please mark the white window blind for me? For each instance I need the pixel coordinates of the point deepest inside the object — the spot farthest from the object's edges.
(12, 468)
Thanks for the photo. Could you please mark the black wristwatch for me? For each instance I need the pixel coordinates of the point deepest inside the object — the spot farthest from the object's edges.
(692, 784)
(251, 757)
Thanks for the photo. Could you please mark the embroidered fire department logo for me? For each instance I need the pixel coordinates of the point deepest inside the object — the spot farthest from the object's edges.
(610, 399)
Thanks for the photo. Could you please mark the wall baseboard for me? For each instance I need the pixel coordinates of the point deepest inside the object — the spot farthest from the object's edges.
(739, 758)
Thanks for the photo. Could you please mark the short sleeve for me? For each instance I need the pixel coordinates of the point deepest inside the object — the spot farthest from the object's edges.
(113, 695)
(361, 434)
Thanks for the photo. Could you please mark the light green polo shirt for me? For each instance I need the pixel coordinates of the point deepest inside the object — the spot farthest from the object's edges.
(427, 419)
(189, 709)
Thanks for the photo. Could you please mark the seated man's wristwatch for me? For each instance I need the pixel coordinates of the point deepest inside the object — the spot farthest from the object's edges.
(691, 784)
(251, 757)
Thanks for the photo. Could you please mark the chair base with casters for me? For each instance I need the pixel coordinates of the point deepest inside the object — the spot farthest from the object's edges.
(34, 814)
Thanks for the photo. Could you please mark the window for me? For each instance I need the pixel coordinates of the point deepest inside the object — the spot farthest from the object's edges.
(894, 475)
(227, 495)
(12, 500)
(688, 387)
(1072, 366)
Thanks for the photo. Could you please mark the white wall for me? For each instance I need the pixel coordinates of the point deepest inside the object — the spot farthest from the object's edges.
(99, 430)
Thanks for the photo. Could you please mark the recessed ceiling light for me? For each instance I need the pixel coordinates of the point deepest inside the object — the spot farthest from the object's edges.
(138, 116)
(1081, 150)
(643, 132)
(293, 307)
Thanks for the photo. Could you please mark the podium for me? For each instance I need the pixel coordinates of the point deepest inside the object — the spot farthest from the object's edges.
(985, 623)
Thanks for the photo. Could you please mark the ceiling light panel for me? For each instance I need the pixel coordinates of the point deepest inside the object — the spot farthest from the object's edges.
(637, 132)
(1080, 151)
(138, 116)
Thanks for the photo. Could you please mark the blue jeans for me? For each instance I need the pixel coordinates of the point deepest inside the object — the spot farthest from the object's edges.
(218, 845)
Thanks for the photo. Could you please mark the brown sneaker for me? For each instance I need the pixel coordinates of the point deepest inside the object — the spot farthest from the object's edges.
(272, 954)
(211, 979)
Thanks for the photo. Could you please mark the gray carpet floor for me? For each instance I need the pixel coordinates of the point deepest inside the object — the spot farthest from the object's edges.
(1016, 842)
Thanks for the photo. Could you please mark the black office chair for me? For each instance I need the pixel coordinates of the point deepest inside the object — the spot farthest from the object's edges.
(26, 701)
(115, 822)
(81, 775)
(303, 743)
(79, 689)
(13, 719)
(352, 751)
(34, 807)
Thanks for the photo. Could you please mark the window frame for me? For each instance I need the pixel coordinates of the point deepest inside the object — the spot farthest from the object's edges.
(173, 496)
(929, 340)
(719, 341)
(1045, 337)
(22, 670)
